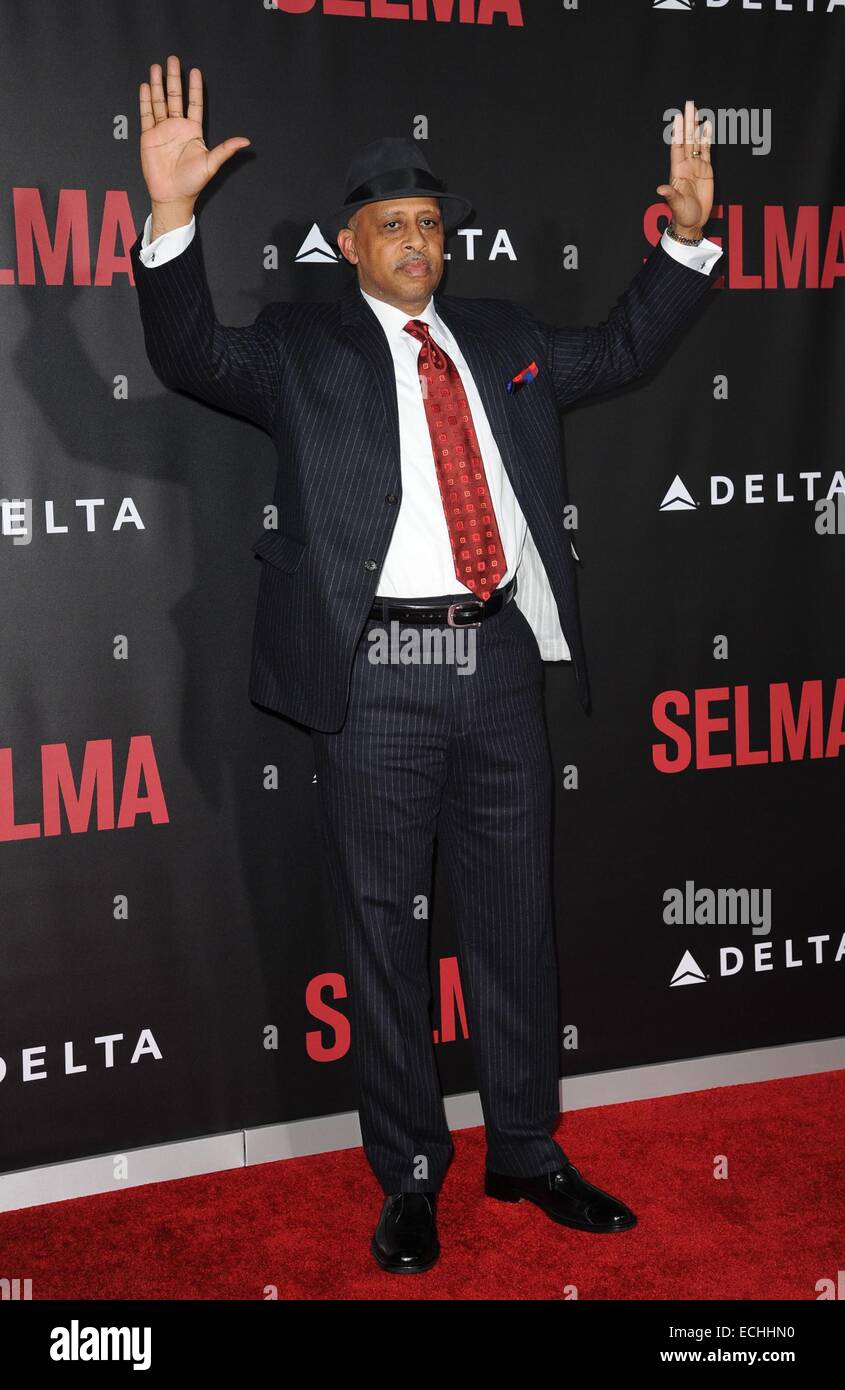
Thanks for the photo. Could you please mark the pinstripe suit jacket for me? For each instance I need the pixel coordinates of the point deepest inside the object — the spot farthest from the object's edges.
(319, 379)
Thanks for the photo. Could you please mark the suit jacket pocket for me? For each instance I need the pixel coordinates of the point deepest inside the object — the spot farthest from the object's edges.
(281, 550)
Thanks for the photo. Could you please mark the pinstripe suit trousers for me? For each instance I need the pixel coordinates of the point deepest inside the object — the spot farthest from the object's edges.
(428, 751)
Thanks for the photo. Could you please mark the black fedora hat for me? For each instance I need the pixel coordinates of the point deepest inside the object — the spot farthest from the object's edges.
(391, 167)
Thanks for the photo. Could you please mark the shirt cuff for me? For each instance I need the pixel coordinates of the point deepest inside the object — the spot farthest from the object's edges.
(702, 257)
(166, 246)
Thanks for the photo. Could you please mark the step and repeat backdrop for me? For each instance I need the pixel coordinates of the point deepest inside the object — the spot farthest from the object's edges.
(170, 963)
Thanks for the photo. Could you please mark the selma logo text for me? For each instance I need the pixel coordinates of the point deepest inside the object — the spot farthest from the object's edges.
(69, 803)
(442, 11)
(713, 729)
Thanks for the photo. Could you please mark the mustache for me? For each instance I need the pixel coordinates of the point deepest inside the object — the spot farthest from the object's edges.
(414, 260)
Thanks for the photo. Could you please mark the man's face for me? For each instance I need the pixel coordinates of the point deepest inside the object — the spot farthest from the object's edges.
(397, 246)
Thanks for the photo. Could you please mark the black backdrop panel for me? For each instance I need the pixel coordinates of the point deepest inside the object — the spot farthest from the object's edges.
(170, 964)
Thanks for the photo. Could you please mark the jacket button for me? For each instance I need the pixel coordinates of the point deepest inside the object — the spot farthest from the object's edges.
(369, 564)
(391, 497)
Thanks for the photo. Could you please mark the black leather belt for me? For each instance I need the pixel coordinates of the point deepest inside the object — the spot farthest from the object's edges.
(468, 612)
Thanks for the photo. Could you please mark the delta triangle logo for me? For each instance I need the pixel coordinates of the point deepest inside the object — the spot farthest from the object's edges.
(672, 5)
(689, 972)
(315, 250)
(678, 498)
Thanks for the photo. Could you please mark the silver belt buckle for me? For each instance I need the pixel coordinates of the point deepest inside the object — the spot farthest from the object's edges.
(463, 603)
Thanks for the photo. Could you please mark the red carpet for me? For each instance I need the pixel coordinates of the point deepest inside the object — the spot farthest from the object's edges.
(771, 1230)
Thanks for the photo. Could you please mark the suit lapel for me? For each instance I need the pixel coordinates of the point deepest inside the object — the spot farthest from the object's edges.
(488, 372)
(361, 324)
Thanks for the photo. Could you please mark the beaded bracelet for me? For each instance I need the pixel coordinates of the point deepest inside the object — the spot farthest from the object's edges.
(686, 240)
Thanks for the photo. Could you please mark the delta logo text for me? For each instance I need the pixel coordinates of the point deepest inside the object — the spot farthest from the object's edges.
(745, 907)
(824, 493)
(21, 518)
(38, 1063)
(753, 6)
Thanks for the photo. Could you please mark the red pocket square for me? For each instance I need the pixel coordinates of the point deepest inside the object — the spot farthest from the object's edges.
(522, 378)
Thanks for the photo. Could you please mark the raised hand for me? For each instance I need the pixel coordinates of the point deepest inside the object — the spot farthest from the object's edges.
(689, 192)
(175, 160)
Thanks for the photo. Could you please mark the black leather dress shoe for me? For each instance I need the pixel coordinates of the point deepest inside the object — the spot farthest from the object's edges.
(566, 1197)
(405, 1240)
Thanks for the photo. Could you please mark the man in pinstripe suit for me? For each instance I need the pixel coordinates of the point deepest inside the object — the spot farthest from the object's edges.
(374, 401)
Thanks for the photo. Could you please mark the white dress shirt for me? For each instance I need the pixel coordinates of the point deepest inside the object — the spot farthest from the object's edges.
(419, 561)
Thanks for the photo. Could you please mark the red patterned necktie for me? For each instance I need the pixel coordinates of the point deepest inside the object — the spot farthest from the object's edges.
(476, 544)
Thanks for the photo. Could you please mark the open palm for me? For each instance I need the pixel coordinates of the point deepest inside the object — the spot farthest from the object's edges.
(689, 191)
(175, 160)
